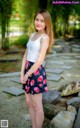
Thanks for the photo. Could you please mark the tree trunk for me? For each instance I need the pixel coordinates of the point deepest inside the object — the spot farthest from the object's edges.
(4, 27)
(43, 4)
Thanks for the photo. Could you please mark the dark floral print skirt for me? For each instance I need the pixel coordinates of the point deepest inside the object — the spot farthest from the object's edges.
(37, 82)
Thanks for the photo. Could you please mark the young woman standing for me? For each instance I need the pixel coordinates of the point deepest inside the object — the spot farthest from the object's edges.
(33, 75)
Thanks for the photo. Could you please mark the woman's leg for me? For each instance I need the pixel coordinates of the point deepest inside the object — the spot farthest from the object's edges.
(39, 114)
(31, 109)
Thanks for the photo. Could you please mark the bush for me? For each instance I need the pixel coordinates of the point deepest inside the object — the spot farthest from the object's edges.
(21, 41)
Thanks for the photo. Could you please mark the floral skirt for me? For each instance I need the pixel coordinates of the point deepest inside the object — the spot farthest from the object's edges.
(37, 82)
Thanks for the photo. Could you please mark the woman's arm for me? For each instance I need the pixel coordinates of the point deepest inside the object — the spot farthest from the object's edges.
(41, 57)
(23, 62)
(23, 67)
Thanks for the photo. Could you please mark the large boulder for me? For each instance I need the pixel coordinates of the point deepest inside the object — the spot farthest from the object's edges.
(77, 121)
(51, 110)
(74, 101)
(64, 119)
(52, 96)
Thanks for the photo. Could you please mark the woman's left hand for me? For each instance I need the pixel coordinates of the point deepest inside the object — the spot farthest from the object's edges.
(25, 77)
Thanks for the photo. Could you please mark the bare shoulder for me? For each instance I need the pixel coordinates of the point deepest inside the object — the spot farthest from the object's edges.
(45, 41)
(45, 36)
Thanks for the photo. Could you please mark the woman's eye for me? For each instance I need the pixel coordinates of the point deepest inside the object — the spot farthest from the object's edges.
(42, 20)
(39, 20)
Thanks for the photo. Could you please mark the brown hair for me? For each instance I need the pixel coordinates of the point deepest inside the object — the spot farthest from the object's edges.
(48, 29)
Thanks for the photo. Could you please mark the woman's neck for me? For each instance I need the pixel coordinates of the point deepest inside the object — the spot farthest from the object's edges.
(40, 32)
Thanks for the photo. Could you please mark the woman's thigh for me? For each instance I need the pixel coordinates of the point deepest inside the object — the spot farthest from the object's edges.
(37, 100)
(28, 99)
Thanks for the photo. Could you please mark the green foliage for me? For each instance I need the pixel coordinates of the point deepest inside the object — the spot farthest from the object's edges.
(60, 14)
(5, 14)
(27, 11)
(21, 41)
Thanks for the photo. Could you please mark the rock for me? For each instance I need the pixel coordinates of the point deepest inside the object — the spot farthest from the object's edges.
(67, 67)
(77, 122)
(78, 57)
(72, 88)
(57, 62)
(54, 77)
(74, 101)
(71, 61)
(43, 64)
(52, 96)
(26, 117)
(51, 110)
(72, 109)
(10, 74)
(58, 48)
(79, 94)
(75, 50)
(57, 71)
(63, 101)
(13, 91)
(64, 119)
(16, 80)
(76, 46)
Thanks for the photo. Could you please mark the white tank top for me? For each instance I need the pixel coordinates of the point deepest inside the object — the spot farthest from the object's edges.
(33, 48)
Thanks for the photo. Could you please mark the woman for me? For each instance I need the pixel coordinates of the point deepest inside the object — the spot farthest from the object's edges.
(33, 75)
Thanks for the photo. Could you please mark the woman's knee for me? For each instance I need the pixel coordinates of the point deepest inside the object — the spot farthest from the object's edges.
(28, 100)
(29, 104)
(37, 107)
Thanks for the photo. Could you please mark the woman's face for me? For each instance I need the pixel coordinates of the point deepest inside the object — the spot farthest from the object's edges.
(39, 23)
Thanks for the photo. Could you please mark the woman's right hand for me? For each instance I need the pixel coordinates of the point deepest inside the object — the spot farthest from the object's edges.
(22, 79)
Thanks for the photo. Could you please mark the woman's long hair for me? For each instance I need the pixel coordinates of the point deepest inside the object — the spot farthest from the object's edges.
(48, 24)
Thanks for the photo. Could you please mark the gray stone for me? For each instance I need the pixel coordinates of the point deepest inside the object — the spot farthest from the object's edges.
(16, 80)
(77, 121)
(66, 57)
(67, 67)
(54, 77)
(76, 46)
(52, 96)
(26, 117)
(13, 91)
(57, 62)
(74, 101)
(44, 62)
(76, 50)
(71, 61)
(64, 119)
(58, 49)
(10, 74)
(77, 57)
(57, 71)
(72, 109)
(51, 55)
(79, 94)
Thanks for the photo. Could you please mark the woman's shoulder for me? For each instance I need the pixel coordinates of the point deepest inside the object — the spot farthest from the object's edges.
(45, 36)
